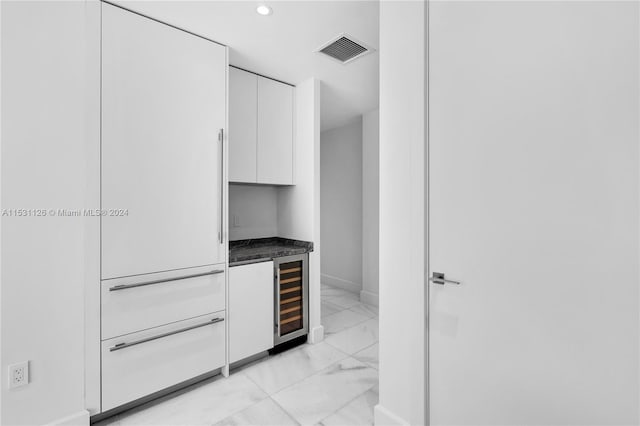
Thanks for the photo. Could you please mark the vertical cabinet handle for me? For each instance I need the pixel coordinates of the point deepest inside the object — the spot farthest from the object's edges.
(221, 230)
(276, 311)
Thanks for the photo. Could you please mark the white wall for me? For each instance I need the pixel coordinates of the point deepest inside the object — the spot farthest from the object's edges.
(299, 205)
(402, 213)
(370, 206)
(341, 212)
(256, 208)
(43, 167)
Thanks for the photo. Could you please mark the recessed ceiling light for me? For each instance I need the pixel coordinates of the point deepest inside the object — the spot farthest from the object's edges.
(264, 10)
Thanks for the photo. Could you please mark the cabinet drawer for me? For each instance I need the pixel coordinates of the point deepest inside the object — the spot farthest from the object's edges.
(142, 363)
(137, 303)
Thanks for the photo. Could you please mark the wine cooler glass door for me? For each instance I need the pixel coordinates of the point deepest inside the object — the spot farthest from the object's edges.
(291, 298)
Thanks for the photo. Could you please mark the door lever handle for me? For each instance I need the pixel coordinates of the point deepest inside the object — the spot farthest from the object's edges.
(438, 278)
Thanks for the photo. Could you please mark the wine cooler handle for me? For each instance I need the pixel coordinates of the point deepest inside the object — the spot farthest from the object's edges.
(276, 310)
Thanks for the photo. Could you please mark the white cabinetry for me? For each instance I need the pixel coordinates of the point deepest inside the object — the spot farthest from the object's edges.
(137, 303)
(163, 105)
(243, 116)
(251, 318)
(261, 129)
(142, 363)
(163, 298)
(275, 132)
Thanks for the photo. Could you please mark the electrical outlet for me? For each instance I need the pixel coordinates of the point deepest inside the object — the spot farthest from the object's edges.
(18, 374)
(236, 220)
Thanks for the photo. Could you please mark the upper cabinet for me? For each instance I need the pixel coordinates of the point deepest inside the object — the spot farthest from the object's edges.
(243, 124)
(260, 129)
(275, 132)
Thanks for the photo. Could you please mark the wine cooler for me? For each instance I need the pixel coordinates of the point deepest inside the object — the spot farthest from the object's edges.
(291, 296)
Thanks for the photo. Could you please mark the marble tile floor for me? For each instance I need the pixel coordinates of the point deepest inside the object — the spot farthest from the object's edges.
(332, 383)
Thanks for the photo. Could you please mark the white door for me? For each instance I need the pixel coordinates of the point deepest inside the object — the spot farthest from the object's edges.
(275, 132)
(533, 168)
(163, 105)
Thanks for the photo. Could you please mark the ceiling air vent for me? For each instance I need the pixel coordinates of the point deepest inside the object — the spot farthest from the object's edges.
(344, 49)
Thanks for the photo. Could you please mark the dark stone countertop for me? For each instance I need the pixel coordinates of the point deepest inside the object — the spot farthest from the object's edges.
(262, 249)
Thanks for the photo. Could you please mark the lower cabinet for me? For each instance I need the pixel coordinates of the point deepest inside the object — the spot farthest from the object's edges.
(138, 364)
(251, 310)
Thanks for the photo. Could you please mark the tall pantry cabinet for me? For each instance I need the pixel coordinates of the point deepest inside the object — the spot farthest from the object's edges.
(163, 248)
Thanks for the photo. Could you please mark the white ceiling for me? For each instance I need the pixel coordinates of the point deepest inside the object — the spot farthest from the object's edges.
(282, 45)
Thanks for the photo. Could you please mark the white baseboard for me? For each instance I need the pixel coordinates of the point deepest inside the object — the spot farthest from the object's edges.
(369, 298)
(384, 417)
(81, 418)
(340, 283)
(316, 335)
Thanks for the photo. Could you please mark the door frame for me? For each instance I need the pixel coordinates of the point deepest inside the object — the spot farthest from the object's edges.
(403, 220)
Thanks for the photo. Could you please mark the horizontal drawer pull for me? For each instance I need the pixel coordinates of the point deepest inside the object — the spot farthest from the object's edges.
(292, 319)
(286, 311)
(288, 271)
(293, 299)
(124, 345)
(166, 280)
(290, 280)
(291, 290)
